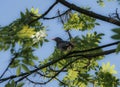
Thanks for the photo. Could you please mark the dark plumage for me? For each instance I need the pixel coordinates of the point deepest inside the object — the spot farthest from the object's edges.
(62, 45)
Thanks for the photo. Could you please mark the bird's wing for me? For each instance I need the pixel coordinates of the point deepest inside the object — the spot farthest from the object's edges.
(64, 45)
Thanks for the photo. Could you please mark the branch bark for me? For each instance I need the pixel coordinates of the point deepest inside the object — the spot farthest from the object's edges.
(69, 34)
(89, 13)
(49, 18)
(12, 60)
(89, 56)
(69, 55)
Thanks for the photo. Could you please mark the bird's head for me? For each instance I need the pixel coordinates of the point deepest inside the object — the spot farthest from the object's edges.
(57, 39)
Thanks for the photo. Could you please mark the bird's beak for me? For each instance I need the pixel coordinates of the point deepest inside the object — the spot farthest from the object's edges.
(53, 39)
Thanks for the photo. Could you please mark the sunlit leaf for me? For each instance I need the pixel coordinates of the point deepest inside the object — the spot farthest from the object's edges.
(108, 68)
(35, 11)
(20, 84)
(26, 32)
(25, 68)
(72, 74)
(80, 22)
(18, 71)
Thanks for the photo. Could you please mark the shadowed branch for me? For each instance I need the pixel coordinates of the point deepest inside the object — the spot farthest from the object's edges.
(68, 55)
(89, 13)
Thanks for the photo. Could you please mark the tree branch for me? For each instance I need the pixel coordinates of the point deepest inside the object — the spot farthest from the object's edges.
(55, 74)
(117, 15)
(60, 81)
(68, 55)
(89, 56)
(89, 13)
(92, 49)
(46, 18)
(12, 60)
(69, 34)
(56, 70)
(22, 78)
(44, 13)
(102, 53)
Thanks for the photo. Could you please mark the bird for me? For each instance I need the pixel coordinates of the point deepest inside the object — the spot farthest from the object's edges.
(63, 45)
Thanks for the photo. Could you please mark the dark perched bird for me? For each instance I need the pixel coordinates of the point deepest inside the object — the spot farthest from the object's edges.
(63, 45)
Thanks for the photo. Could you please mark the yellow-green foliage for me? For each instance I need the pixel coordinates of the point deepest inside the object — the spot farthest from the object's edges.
(79, 22)
(108, 68)
(72, 74)
(35, 11)
(26, 32)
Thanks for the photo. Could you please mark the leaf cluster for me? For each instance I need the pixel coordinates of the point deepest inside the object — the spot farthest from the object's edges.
(13, 84)
(23, 36)
(16, 37)
(105, 78)
(79, 21)
(116, 36)
(102, 2)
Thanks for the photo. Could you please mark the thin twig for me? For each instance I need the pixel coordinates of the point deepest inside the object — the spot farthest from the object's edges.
(40, 83)
(65, 57)
(117, 14)
(12, 60)
(56, 70)
(46, 18)
(23, 77)
(60, 81)
(44, 13)
(69, 34)
(43, 75)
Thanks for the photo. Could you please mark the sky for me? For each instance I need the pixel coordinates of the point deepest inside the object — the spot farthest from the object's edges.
(10, 10)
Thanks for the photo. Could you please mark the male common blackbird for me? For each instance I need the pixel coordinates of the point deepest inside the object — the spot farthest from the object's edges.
(63, 45)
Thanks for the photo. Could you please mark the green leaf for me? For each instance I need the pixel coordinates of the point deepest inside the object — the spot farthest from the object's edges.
(15, 64)
(18, 70)
(46, 40)
(101, 3)
(116, 30)
(72, 74)
(97, 23)
(22, 14)
(41, 43)
(13, 83)
(20, 84)
(8, 85)
(118, 48)
(80, 22)
(106, 68)
(117, 36)
(25, 68)
(35, 58)
(30, 62)
(27, 12)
